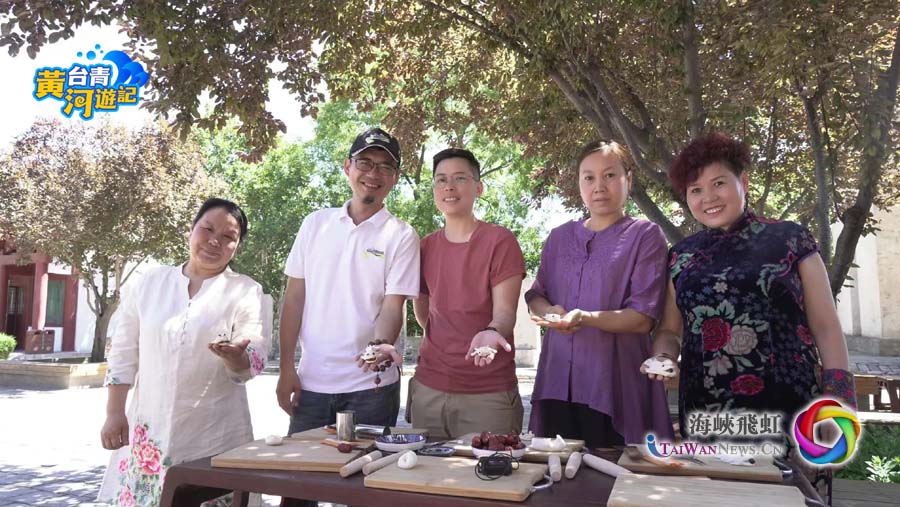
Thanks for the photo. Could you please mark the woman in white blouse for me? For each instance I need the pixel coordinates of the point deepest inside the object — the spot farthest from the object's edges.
(188, 338)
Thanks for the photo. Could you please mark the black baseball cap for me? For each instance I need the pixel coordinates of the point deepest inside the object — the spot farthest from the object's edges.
(376, 138)
(457, 153)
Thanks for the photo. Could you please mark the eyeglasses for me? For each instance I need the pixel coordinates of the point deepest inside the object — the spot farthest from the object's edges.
(459, 180)
(365, 165)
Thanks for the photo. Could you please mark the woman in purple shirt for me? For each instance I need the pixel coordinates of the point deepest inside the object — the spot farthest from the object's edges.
(605, 278)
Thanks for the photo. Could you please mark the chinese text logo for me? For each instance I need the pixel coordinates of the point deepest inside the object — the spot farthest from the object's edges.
(90, 88)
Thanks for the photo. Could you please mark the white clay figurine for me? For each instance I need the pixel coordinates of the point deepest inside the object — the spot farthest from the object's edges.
(484, 352)
(370, 354)
(660, 366)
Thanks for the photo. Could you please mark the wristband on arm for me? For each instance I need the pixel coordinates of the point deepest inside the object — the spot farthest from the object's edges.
(839, 384)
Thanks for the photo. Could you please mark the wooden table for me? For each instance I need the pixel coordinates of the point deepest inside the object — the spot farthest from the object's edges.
(589, 488)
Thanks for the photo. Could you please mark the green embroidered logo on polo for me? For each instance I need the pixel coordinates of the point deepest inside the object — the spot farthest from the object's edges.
(373, 252)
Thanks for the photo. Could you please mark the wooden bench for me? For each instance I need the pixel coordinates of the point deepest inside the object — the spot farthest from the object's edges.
(871, 385)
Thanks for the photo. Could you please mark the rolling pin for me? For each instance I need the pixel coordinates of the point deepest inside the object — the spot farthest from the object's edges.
(381, 463)
(573, 465)
(601, 465)
(357, 464)
(555, 467)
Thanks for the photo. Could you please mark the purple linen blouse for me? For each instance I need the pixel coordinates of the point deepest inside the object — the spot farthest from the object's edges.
(622, 266)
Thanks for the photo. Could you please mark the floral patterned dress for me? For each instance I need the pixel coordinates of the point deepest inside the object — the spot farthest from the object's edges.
(746, 341)
(185, 404)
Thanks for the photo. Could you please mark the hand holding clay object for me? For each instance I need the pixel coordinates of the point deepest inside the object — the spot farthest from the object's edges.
(221, 338)
(370, 354)
(378, 356)
(661, 366)
(566, 323)
(485, 345)
(484, 352)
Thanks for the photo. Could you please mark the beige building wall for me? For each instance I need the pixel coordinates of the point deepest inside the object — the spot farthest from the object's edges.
(869, 304)
(527, 333)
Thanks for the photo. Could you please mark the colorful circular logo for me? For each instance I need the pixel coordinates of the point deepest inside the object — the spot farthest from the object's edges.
(823, 410)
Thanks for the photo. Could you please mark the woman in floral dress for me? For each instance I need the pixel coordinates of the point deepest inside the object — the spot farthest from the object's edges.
(188, 338)
(748, 298)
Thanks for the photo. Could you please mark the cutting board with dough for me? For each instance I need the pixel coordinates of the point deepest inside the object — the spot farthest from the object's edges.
(762, 471)
(632, 490)
(463, 447)
(293, 454)
(456, 477)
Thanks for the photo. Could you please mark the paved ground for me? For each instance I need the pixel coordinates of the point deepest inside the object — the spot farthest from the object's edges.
(50, 453)
(875, 365)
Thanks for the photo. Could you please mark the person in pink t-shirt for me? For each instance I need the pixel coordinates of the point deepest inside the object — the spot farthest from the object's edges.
(472, 273)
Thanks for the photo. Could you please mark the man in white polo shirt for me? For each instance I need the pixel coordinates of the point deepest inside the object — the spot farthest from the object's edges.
(349, 273)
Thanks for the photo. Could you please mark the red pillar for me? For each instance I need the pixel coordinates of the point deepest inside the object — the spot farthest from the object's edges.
(4, 292)
(39, 297)
(70, 311)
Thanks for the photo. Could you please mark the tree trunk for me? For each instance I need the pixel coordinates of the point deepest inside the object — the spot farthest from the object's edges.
(823, 222)
(98, 353)
(876, 127)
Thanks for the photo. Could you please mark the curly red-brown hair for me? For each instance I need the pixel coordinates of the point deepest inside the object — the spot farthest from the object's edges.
(705, 150)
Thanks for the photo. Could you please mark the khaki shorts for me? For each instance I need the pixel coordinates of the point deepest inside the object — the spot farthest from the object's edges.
(450, 415)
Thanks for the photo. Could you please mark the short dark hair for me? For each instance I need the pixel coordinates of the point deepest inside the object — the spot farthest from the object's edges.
(229, 207)
(457, 153)
(705, 150)
(605, 146)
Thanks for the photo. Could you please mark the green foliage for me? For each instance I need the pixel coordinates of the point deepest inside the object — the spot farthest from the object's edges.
(549, 75)
(277, 193)
(883, 469)
(876, 441)
(7, 345)
(101, 199)
(294, 180)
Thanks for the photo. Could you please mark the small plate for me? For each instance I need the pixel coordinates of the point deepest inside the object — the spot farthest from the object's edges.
(400, 442)
(443, 452)
(516, 453)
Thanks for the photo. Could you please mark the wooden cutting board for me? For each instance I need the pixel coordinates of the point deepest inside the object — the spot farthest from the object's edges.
(456, 477)
(293, 454)
(463, 447)
(762, 471)
(631, 490)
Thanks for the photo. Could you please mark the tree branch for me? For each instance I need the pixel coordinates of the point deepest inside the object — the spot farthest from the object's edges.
(580, 102)
(652, 211)
(494, 169)
(823, 222)
(692, 86)
(490, 30)
(877, 120)
(130, 272)
(771, 150)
